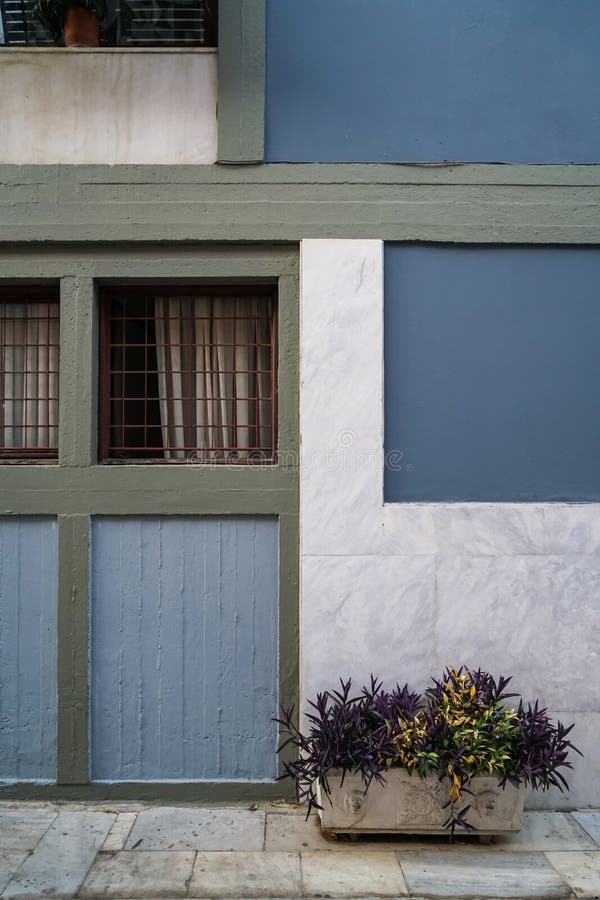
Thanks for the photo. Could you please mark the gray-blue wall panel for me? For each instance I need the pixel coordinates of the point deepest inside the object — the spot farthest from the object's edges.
(431, 80)
(28, 606)
(492, 373)
(184, 638)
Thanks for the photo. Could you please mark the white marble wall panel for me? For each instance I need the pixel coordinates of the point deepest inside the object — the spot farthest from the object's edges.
(342, 453)
(469, 529)
(573, 528)
(372, 611)
(406, 589)
(108, 105)
(408, 530)
(535, 616)
(481, 529)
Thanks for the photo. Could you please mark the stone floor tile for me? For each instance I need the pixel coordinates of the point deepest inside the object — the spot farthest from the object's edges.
(254, 874)
(590, 820)
(61, 860)
(10, 862)
(291, 833)
(119, 832)
(180, 828)
(452, 873)
(120, 806)
(21, 829)
(358, 874)
(282, 807)
(546, 831)
(24, 805)
(135, 874)
(296, 833)
(581, 871)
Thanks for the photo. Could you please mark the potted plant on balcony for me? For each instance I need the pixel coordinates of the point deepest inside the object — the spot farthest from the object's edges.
(77, 20)
(458, 757)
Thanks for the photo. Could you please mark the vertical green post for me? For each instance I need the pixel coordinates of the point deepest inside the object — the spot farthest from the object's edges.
(289, 617)
(241, 111)
(73, 642)
(78, 372)
(77, 447)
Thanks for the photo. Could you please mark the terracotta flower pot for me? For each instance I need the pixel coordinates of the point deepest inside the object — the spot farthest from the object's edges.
(81, 28)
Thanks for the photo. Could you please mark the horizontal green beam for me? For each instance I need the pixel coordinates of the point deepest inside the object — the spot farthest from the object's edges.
(285, 203)
(161, 792)
(146, 490)
(147, 263)
(51, 179)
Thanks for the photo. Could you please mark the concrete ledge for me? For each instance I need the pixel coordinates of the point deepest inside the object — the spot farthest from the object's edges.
(454, 203)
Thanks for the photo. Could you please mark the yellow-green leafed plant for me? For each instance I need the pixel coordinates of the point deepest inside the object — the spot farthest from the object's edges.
(473, 730)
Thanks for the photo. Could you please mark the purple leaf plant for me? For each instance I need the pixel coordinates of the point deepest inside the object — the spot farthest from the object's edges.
(461, 727)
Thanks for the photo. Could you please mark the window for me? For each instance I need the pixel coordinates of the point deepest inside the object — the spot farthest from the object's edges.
(188, 373)
(29, 348)
(128, 23)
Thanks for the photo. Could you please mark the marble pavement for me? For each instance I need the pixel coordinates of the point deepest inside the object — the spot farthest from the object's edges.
(125, 850)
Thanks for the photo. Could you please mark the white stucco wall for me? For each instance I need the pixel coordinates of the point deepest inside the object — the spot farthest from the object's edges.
(402, 590)
(153, 106)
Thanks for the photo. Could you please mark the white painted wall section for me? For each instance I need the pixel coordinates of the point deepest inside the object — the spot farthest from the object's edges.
(403, 590)
(108, 105)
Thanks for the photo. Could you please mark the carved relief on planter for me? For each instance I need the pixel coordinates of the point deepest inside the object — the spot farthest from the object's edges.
(409, 805)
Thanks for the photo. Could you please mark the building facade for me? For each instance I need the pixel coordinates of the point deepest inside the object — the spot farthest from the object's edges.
(300, 380)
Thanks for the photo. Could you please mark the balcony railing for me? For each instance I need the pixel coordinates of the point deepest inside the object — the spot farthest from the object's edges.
(128, 23)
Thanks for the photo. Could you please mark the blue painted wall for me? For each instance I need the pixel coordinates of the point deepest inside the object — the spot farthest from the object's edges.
(184, 639)
(430, 80)
(492, 373)
(28, 605)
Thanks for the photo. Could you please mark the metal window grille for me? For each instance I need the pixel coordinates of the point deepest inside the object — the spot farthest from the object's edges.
(18, 25)
(29, 356)
(129, 23)
(188, 374)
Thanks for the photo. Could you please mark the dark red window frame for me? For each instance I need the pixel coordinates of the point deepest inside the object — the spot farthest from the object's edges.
(25, 295)
(113, 390)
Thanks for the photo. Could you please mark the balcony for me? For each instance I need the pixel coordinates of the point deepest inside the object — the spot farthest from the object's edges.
(147, 95)
(127, 23)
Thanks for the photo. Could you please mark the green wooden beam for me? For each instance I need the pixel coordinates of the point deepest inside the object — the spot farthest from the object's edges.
(78, 372)
(206, 793)
(73, 638)
(241, 76)
(287, 203)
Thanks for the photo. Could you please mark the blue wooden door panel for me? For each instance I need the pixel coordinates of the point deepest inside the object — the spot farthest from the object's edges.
(28, 606)
(184, 641)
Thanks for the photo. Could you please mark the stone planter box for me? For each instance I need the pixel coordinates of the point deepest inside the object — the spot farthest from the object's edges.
(408, 805)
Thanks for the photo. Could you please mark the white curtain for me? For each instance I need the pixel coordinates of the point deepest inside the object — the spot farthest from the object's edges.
(214, 375)
(29, 337)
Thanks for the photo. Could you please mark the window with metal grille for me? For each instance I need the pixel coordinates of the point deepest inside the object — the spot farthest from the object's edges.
(128, 23)
(29, 349)
(188, 374)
